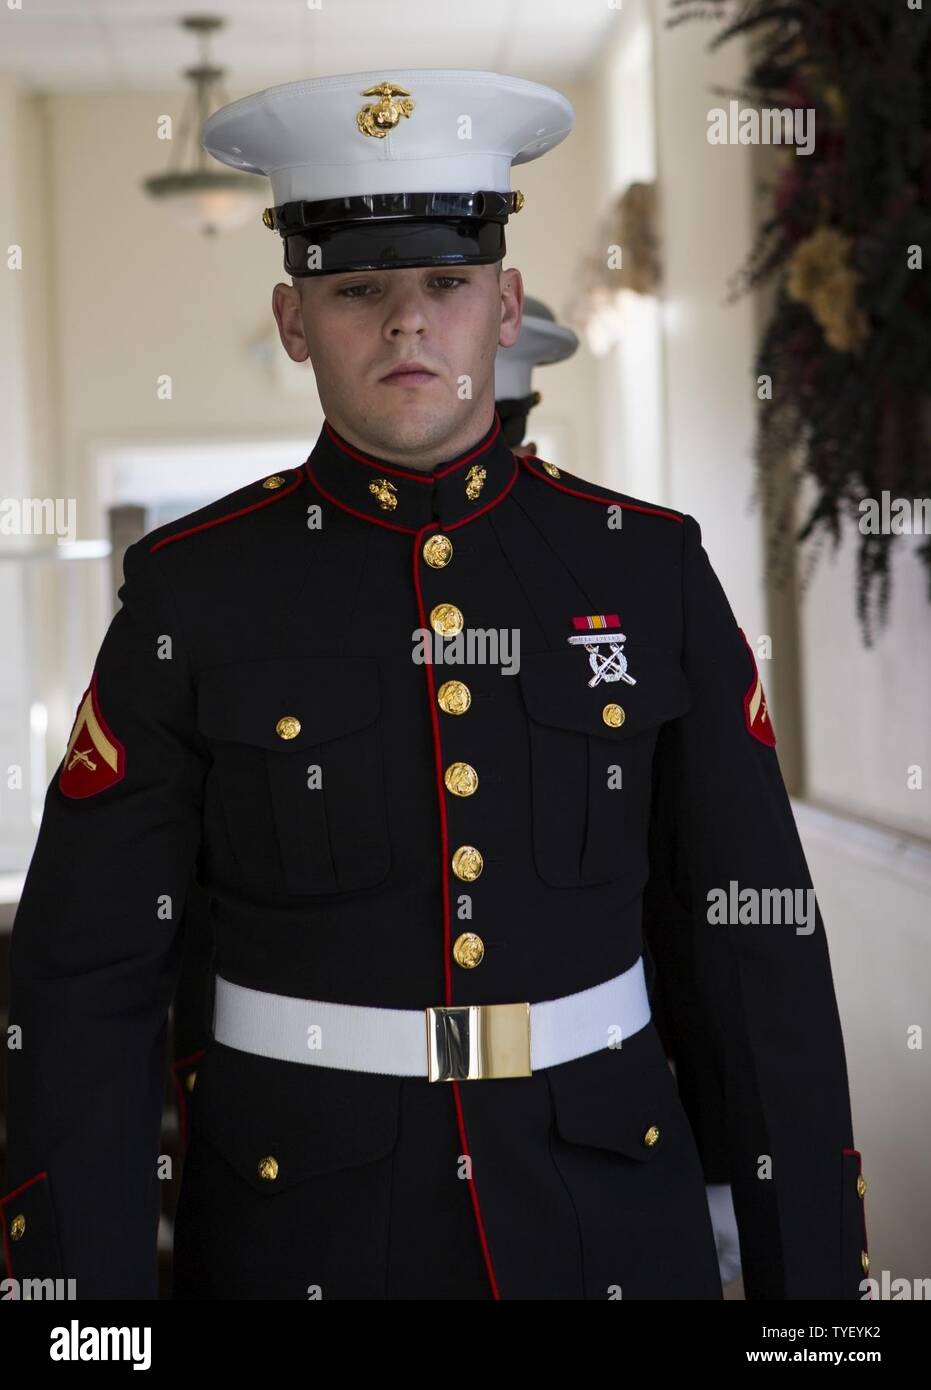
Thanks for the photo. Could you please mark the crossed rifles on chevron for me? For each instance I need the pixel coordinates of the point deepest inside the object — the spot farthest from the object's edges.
(79, 756)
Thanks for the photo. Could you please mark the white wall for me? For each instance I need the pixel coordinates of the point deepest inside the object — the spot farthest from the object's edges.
(706, 197)
(865, 715)
(868, 710)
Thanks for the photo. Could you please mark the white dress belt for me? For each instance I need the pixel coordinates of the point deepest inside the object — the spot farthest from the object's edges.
(458, 1042)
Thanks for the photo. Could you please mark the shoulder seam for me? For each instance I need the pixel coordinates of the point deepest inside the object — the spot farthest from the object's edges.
(605, 501)
(231, 516)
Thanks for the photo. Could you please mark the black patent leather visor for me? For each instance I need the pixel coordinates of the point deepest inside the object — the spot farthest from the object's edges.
(386, 245)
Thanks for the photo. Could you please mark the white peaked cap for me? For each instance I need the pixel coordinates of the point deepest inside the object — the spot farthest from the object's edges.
(463, 132)
(542, 340)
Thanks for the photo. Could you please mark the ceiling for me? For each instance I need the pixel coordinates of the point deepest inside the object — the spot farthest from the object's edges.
(112, 45)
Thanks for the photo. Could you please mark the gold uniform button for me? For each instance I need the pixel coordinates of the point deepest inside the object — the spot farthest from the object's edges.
(461, 779)
(551, 469)
(467, 863)
(454, 697)
(468, 950)
(446, 619)
(861, 1185)
(437, 550)
(190, 1079)
(613, 715)
(288, 726)
(651, 1137)
(274, 481)
(18, 1227)
(864, 1262)
(268, 1168)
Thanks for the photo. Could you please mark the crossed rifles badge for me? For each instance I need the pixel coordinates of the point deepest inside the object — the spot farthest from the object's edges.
(94, 758)
(597, 630)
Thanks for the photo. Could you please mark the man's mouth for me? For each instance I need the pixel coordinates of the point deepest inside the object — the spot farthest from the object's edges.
(410, 374)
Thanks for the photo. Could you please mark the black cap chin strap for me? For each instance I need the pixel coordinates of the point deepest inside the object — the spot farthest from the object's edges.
(388, 231)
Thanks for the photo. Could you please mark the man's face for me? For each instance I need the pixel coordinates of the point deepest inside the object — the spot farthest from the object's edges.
(358, 327)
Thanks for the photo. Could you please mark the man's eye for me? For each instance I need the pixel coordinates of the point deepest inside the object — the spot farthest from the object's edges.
(444, 282)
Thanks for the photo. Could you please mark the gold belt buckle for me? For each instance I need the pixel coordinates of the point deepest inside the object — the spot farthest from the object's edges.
(478, 1042)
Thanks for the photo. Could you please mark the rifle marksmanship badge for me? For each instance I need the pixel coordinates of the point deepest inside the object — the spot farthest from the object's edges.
(600, 635)
(94, 758)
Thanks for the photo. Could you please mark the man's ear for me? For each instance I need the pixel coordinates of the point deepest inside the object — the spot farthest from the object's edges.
(512, 307)
(286, 306)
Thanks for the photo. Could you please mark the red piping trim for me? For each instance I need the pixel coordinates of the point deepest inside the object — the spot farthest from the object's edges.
(444, 850)
(473, 1193)
(409, 530)
(230, 516)
(181, 1096)
(412, 475)
(606, 501)
(7, 1252)
(354, 511)
(487, 506)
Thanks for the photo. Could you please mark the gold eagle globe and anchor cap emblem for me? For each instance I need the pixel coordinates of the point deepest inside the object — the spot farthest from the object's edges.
(381, 116)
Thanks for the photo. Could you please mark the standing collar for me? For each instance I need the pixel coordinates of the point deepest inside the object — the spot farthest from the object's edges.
(407, 499)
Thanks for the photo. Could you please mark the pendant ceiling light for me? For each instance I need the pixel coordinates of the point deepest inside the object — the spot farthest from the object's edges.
(200, 195)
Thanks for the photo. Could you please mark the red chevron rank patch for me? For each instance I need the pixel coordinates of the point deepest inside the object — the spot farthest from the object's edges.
(756, 711)
(94, 758)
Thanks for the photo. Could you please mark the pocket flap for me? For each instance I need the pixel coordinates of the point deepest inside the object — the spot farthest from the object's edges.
(556, 691)
(277, 1123)
(623, 1099)
(243, 702)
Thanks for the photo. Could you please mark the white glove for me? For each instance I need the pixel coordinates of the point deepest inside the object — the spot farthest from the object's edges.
(724, 1224)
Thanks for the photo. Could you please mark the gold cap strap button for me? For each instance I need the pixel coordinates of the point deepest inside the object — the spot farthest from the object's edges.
(454, 697)
(467, 863)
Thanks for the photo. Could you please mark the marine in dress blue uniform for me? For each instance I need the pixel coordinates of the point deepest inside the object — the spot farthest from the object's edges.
(433, 1071)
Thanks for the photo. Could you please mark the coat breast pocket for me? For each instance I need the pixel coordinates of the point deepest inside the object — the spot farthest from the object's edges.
(591, 759)
(298, 770)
